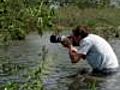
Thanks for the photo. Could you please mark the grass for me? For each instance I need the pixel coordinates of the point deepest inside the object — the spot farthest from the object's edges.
(105, 22)
(68, 16)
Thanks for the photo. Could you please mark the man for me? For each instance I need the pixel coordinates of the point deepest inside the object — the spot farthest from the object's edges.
(93, 48)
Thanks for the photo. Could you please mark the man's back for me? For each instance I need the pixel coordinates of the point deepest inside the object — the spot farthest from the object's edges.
(98, 51)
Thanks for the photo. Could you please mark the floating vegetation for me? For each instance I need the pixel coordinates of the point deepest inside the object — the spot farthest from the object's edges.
(34, 79)
(10, 68)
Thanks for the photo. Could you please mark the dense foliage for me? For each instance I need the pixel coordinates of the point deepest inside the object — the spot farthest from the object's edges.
(18, 17)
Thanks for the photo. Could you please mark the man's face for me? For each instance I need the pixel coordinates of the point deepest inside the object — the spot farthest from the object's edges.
(76, 40)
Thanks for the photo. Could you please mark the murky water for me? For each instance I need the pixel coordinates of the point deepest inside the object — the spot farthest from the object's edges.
(26, 55)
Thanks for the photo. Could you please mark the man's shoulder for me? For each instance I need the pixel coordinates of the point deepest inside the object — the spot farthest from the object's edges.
(87, 40)
(94, 37)
(89, 37)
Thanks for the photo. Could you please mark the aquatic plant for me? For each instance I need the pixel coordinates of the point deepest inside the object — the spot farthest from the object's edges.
(34, 79)
(92, 85)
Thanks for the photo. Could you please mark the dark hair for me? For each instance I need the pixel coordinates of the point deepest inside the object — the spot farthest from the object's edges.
(81, 30)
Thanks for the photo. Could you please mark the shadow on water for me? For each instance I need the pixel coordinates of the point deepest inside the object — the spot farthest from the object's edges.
(88, 82)
(22, 56)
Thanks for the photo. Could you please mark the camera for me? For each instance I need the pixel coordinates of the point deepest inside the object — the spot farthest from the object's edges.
(63, 39)
(55, 38)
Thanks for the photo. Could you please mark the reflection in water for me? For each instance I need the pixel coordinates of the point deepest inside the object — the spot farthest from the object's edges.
(87, 82)
(62, 74)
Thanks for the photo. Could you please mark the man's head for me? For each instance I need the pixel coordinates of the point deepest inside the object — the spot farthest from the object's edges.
(81, 31)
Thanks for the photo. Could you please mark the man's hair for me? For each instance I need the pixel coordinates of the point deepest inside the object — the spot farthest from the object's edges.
(81, 30)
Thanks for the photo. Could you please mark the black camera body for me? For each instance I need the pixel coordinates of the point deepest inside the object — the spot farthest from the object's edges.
(55, 38)
(59, 39)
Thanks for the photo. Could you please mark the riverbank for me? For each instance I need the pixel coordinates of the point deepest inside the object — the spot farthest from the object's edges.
(72, 15)
(104, 22)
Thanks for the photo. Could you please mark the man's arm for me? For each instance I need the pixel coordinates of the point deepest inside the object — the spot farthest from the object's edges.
(75, 56)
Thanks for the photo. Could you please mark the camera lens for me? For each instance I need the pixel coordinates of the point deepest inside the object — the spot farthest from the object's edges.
(55, 39)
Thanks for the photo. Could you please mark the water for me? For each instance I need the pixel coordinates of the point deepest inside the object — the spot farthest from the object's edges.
(24, 56)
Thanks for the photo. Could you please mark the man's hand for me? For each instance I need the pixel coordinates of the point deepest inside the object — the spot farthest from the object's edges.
(74, 56)
(66, 42)
(73, 50)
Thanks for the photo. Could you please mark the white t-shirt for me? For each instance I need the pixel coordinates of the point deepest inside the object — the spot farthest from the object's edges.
(98, 51)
